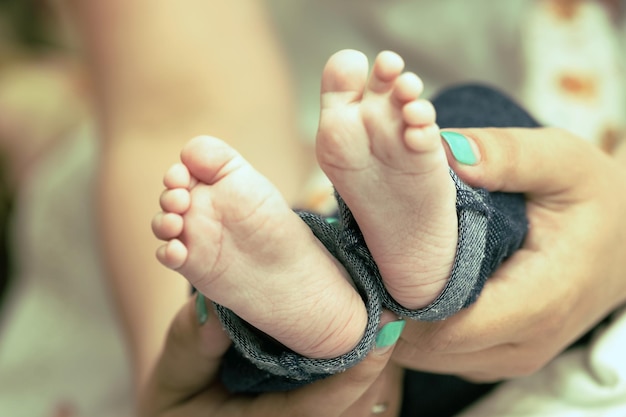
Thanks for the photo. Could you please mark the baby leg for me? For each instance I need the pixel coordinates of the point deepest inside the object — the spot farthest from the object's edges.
(380, 146)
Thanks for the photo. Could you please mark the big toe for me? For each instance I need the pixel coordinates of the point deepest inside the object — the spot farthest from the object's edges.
(209, 159)
(344, 78)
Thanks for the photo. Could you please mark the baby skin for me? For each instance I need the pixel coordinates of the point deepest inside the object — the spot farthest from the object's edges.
(231, 234)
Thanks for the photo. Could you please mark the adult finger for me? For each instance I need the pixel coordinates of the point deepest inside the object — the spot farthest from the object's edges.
(541, 298)
(493, 319)
(354, 392)
(515, 317)
(535, 304)
(514, 159)
(384, 396)
(190, 359)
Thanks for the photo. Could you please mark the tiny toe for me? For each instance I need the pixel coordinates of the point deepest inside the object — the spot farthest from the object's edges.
(157, 226)
(176, 200)
(423, 139)
(167, 226)
(387, 67)
(177, 176)
(419, 113)
(209, 159)
(408, 87)
(173, 254)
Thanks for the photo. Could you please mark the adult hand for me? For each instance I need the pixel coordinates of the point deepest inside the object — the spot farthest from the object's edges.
(568, 275)
(185, 382)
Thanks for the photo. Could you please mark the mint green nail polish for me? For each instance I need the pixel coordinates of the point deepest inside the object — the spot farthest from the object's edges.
(201, 309)
(460, 147)
(333, 221)
(389, 334)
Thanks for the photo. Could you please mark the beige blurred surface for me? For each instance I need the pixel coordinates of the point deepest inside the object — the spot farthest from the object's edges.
(60, 345)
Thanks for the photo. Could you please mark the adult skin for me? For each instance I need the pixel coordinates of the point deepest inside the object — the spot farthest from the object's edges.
(565, 279)
(162, 72)
(568, 275)
(184, 382)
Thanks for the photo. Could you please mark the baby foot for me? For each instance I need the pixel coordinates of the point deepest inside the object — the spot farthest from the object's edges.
(379, 145)
(233, 236)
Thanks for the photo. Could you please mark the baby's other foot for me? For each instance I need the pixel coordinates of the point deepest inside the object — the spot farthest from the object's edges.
(380, 146)
(232, 235)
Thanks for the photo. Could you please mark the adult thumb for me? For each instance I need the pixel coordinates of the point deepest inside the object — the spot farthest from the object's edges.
(535, 161)
(370, 385)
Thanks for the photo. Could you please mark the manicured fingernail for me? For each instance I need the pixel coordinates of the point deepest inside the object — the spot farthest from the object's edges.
(389, 334)
(201, 309)
(460, 147)
(333, 221)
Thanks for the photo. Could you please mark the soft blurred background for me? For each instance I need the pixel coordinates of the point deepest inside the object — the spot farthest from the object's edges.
(60, 343)
(62, 347)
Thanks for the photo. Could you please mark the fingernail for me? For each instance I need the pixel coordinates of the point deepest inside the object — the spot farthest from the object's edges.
(201, 309)
(389, 334)
(333, 221)
(461, 147)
